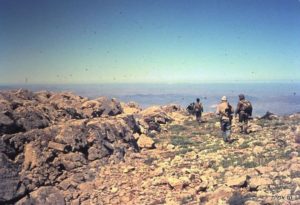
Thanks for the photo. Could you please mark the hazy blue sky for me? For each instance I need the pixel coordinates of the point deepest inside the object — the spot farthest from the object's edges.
(107, 41)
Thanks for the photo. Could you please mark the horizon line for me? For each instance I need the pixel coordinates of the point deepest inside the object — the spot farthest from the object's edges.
(154, 83)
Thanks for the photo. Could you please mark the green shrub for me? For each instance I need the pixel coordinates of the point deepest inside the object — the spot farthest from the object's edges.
(177, 128)
(251, 164)
(244, 145)
(181, 141)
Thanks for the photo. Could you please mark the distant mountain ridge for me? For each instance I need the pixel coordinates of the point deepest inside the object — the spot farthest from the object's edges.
(275, 97)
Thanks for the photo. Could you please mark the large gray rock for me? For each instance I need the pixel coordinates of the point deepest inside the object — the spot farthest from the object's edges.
(73, 134)
(152, 117)
(109, 107)
(269, 116)
(28, 118)
(44, 142)
(11, 187)
(7, 125)
(45, 196)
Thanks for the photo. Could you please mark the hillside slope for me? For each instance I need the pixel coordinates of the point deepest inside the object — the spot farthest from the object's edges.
(59, 148)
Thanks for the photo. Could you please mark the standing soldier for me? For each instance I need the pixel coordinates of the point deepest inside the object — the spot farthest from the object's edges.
(225, 112)
(198, 108)
(244, 110)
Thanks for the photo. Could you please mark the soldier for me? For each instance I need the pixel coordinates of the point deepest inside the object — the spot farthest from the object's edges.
(225, 112)
(198, 108)
(244, 110)
(190, 108)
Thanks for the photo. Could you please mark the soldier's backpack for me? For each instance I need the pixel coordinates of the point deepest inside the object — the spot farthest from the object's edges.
(190, 108)
(246, 107)
(228, 111)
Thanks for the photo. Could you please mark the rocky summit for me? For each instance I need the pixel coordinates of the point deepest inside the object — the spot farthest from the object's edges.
(60, 148)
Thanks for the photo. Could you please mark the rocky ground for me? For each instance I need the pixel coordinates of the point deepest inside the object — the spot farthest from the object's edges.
(59, 148)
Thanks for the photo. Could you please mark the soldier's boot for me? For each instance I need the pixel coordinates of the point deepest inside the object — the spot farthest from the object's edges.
(245, 129)
(242, 129)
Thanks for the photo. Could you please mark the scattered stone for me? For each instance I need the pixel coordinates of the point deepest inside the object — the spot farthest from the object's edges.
(250, 202)
(221, 169)
(264, 170)
(86, 187)
(256, 182)
(254, 128)
(129, 169)
(31, 156)
(222, 193)
(58, 146)
(296, 180)
(178, 183)
(172, 108)
(170, 147)
(9, 177)
(145, 142)
(136, 136)
(293, 155)
(159, 171)
(257, 150)
(237, 181)
(114, 190)
(44, 195)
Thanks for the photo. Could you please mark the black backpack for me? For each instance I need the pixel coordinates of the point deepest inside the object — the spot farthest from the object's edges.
(228, 111)
(246, 107)
(190, 108)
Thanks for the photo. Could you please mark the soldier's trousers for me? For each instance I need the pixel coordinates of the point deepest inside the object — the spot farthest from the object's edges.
(226, 128)
(243, 121)
(198, 115)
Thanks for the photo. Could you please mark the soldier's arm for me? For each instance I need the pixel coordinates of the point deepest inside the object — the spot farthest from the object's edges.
(218, 110)
(238, 108)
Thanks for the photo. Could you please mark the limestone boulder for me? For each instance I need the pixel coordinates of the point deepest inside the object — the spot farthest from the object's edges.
(98, 152)
(71, 160)
(254, 128)
(237, 181)
(44, 195)
(5, 105)
(32, 156)
(145, 142)
(28, 118)
(222, 193)
(156, 114)
(131, 108)
(7, 124)
(257, 182)
(65, 100)
(108, 107)
(178, 183)
(10, 186)
(73, 134)
(269, 116)
(43, 96)
(172, 108)
(152, 117)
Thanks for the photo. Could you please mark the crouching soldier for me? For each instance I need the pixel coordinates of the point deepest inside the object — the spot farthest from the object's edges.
(198, 108)
(244, 110)
(225, 112)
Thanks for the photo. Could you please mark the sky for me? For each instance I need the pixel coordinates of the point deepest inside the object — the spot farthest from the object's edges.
(149, 41)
